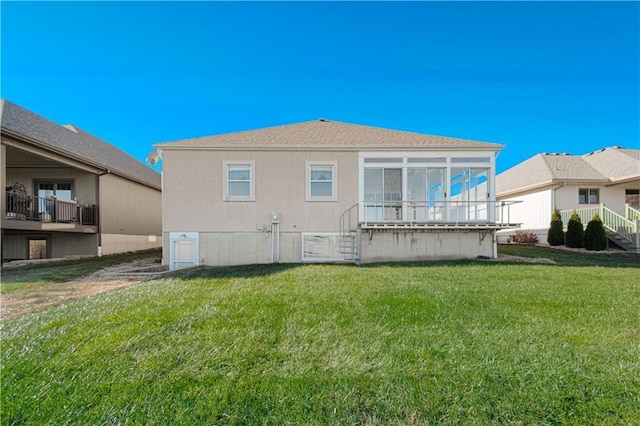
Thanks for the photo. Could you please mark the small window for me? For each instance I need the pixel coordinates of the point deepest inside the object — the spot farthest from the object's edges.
(321, 181)
(589, 196)
(239, 181)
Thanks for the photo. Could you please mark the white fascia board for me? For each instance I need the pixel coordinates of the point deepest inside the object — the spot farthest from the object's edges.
(396, 149)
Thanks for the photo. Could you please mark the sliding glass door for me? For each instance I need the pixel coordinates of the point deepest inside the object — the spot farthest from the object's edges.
(426, 194)
(383, 193)
(469, 194)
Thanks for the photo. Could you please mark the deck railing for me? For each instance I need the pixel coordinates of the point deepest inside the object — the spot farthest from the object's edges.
(28, 207)
(450, 211)
(612, 221)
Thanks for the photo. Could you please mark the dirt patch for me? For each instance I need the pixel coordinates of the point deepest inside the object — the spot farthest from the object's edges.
(35, 298)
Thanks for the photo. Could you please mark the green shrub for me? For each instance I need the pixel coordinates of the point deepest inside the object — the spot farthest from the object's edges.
(555, 237)
(575, 232)
(595, 237)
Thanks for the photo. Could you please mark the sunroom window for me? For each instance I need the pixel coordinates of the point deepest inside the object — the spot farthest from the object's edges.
(419, 187)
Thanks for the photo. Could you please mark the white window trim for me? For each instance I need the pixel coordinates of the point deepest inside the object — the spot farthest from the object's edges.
(334, 181)
(225, 180)
(588, 199)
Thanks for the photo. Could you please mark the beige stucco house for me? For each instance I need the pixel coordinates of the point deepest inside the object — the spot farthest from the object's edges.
(326, 191)
(70, 193)
(606, 182)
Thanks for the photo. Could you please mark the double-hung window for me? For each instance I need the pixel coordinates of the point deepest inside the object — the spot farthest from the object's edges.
(588, 196)
(239, 181)
(321, 181)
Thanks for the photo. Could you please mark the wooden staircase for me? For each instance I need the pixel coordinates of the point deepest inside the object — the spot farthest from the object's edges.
(623, 231)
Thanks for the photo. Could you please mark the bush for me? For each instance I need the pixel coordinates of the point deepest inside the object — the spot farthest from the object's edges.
(523, 237)
(555, 237)
(595, 237)
(575, 232)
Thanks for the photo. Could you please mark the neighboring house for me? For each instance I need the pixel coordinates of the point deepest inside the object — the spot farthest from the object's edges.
(606, 182)
(70, 193)
(325, 191)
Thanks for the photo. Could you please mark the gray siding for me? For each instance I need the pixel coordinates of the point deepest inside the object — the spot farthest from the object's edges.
(84, 184)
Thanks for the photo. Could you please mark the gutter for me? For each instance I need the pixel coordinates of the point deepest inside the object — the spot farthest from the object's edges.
(164, 147)
(549, 182)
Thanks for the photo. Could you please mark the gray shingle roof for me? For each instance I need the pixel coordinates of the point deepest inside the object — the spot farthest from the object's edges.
(604, 166)
(615, 163)
(325, 134)
(76, 143)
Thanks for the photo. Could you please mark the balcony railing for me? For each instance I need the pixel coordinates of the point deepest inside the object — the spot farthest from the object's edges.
(27, 207)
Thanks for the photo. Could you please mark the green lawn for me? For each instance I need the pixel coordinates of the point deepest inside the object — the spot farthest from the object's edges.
(463, 342)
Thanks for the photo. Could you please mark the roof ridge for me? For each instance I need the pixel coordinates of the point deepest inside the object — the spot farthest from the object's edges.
(544, 156)
(323, 133)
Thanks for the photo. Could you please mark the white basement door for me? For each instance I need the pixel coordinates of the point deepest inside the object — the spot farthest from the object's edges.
(184, 249)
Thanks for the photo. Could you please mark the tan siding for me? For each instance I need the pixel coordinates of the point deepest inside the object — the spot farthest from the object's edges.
(129, 208)
(193, 196)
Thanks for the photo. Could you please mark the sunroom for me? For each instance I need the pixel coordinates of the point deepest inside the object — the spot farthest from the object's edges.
(419, 189)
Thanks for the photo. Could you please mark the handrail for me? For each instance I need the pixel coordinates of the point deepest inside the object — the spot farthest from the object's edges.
(631, 213)
(348, 250)
(441, 211)
(585, 213)
(611, 220)
(48, 209)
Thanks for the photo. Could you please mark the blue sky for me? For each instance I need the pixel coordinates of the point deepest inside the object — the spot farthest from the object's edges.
(534, 76)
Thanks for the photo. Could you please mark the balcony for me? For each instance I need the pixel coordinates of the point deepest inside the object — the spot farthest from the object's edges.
(25, 207)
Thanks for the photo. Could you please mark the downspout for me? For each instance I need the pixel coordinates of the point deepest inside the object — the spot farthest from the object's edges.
(492, 190)
(553, 195)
